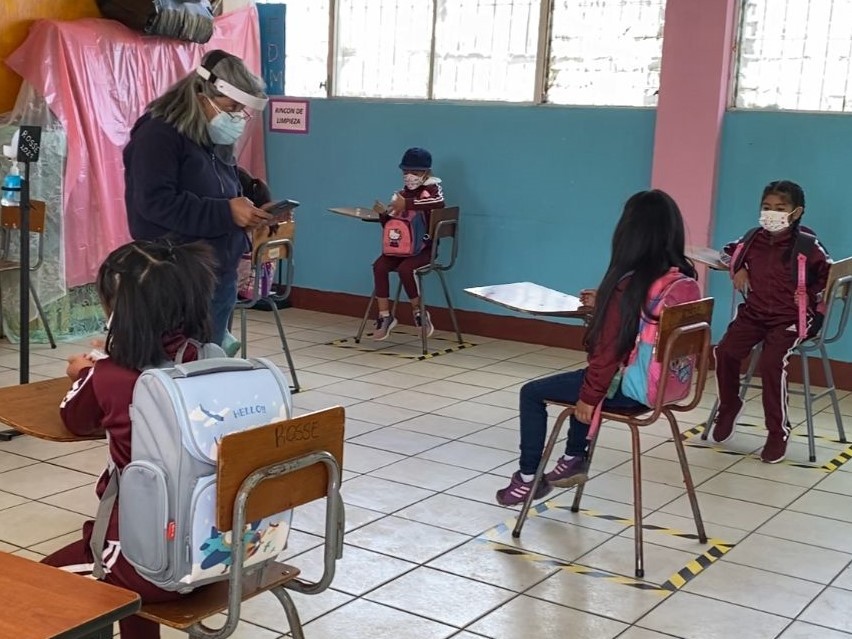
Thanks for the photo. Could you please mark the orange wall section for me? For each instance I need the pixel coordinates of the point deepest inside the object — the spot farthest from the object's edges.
(16, 16)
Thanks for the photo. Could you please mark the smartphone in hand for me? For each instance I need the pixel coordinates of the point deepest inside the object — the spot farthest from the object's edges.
(282, 210)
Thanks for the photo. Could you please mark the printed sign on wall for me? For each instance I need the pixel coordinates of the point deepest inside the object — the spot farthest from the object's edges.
(288, 116)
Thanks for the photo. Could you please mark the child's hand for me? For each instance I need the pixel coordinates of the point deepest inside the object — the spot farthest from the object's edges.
(741, 281)
(76, 363)
(397, 205)
(588, 297)
(583, 412)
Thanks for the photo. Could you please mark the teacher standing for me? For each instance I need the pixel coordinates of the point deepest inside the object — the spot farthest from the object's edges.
(181, 176)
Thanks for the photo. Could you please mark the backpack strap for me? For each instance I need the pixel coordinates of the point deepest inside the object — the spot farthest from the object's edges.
(738, 258)
(802, 249)
(98, 539)
(595, 424)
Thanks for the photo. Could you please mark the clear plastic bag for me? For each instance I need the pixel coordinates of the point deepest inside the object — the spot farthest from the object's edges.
(190, 20)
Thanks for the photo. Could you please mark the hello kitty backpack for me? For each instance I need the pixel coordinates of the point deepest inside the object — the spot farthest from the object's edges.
(167, 510)
(641, 379)
(404, 235)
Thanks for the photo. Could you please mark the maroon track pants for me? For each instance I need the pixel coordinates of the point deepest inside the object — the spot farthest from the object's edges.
(77, 558)
(779, 339)
(404, 266)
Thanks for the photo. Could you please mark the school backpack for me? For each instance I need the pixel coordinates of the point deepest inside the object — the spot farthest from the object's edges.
(167, 510)
(642, 377)
(802, 249)
(189, 20)
(404, 235)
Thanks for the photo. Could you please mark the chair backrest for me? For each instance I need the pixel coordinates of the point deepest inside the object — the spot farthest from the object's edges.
(10, 217)
(685, 332)
(447, 215)
(838, 289)
(241, 454)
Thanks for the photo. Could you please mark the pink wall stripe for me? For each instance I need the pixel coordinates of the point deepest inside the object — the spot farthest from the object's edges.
(694, 89)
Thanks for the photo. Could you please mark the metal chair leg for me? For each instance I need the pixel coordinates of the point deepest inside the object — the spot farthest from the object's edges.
(42, 316)
(575, 505)
(290, 610)
(450, 306)
(295, 388)
(809, 407)
(637, 500)
(424, 340)
(366, 317)
(687, 477)
(548, 450)
(396, 298)
(243, 332)
(832, 391)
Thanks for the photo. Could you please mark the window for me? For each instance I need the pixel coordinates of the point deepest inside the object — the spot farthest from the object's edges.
(306, 44)
(383, 48)
(586, 52)
(486, 50)
(606, 52)
(795, 55)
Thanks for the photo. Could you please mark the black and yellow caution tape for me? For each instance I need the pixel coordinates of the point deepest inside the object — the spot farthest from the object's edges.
(351, 344)
(829, 467)
(717, 549)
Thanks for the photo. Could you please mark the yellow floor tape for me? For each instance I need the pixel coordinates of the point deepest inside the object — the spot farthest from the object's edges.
(350, 343)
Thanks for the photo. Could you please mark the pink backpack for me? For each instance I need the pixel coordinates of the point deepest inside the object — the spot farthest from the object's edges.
(642, 378)
(404, 235)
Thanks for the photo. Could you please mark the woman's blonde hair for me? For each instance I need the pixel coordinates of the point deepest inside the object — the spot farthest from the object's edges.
(180, 107)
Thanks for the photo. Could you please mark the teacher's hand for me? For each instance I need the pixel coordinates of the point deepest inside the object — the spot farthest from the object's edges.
(246, 214)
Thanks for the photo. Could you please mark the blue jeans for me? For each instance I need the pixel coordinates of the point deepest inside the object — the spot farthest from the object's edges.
(222, 305)
(562, 387)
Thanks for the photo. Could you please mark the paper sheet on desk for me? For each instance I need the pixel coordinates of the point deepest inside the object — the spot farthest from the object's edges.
(528, 297)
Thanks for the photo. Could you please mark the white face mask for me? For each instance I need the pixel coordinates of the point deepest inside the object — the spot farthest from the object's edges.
(413, 181)
(774, 221)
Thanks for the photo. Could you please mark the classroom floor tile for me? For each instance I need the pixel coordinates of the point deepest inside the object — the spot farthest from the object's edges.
(428, 554)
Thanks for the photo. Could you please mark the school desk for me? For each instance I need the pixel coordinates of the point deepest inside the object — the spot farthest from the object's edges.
(707, 256)
(33, 409)
(43, 602)
(363, 213)
(531, 298)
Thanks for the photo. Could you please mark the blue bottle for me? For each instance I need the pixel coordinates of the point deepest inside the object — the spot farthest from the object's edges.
(12, 187)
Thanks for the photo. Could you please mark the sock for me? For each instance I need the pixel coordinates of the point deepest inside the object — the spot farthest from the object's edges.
(527, 478)
(568, 457)
(384, 313)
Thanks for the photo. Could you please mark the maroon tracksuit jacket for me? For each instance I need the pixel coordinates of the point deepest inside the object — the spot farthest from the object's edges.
(99, 402)
(770, 313)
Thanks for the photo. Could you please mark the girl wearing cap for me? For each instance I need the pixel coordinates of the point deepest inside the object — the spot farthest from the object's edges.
(421, 192)
(180, 173)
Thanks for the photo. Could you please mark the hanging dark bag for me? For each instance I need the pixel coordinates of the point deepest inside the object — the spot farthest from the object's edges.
(189, 20)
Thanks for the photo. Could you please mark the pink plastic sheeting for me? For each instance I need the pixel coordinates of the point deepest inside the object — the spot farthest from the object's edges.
(97, 76)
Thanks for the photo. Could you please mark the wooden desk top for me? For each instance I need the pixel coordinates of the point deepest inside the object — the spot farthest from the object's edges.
(531, 298)
(33, 409)
(43, 602)
(365, 213)
(707, 256)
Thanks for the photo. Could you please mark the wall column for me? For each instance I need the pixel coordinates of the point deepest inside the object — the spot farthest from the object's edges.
(698, 41)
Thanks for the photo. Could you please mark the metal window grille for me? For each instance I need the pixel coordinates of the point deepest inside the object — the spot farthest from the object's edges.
(605, 52)
(795, 54)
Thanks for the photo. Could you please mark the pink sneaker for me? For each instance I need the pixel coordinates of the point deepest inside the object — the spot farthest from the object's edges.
(384, 325)
(569, 472)
(424, 323)
(518, 489)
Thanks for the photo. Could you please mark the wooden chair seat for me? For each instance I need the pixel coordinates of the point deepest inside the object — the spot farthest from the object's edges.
(209, 600)
(619, 414)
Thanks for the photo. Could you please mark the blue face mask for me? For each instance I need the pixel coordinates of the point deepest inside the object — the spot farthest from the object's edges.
(225, 129)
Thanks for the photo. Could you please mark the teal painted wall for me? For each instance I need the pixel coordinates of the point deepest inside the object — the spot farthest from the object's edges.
(540, 188)
(810, 149)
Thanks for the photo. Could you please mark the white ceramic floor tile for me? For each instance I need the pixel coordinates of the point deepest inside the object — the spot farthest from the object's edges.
(379, 494)
(425, 474)
(480, 413)
(455, 513)
(363, 459)
(690, 616)
(8, 461)
(311, 517)
(598, 596)
(528, 617)
(802, 630)
(844, 580)
(92, 461)
(379, 413)
(41, 480)
(824, 504)
(7, 500)
(81, 500)
(266, 611)
(836, 482)
(42, 449)
(830, 609)
(367, 620)
(397, 440)
(620, 488)
(723, 511)
(441, 426)
(752, 489)
(753, 588)
(358, 572)
(470, 456)
(415, 400)
(446, 598)
(810, 529)
(406, 539)
(32, 522)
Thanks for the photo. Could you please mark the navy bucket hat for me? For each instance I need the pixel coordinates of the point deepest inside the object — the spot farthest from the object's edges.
(416, 159)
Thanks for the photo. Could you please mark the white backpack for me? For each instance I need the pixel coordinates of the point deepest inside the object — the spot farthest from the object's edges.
(167, 510)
